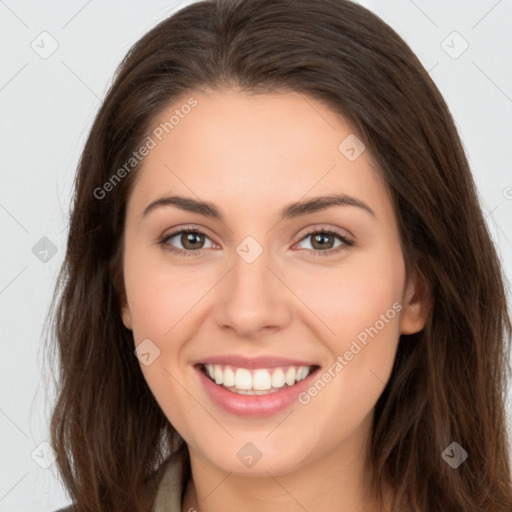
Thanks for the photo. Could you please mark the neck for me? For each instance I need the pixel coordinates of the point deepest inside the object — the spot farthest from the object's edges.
(332, 482)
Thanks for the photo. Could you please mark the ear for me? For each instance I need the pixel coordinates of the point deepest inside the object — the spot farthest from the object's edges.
(119, 288)
(125, 310)
(417, 303)
(127, 317)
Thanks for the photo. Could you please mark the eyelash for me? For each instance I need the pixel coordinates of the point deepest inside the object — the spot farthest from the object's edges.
(329, 252)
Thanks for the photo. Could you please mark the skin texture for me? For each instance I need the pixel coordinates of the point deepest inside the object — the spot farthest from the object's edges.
(251, 155)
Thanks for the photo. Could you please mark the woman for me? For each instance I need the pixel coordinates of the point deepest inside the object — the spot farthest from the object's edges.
(279, 292)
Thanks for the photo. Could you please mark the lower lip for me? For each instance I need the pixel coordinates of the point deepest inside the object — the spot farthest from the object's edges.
(253, 406)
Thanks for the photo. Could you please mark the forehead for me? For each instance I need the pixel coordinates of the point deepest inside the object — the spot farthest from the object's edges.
(230, 124)
(255, 150)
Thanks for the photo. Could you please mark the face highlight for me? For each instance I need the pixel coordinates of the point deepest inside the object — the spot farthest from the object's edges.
(223, 258)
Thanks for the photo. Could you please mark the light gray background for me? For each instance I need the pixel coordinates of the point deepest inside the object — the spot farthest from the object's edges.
(47, 106)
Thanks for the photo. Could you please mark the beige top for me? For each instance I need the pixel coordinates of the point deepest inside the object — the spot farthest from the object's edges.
(171, 479)
(166, 485)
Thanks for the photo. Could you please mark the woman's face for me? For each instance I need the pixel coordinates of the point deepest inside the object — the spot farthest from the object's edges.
(265, 286)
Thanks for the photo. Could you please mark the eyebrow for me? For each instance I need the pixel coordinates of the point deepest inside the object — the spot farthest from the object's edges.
(290, 211)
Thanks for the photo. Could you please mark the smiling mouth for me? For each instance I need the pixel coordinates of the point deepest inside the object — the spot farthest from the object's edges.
(261, 381)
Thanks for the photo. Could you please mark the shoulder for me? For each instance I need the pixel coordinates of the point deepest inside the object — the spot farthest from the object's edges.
(165, 485)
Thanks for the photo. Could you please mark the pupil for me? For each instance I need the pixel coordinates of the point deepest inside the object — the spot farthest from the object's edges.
(188, 238)
(321, 236)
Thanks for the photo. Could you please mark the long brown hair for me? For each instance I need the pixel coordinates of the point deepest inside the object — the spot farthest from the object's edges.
(448, 382)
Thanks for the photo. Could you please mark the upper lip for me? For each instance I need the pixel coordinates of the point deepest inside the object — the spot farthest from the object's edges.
(253, 362)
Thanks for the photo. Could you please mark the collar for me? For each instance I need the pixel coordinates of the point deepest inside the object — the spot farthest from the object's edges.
(174, 475)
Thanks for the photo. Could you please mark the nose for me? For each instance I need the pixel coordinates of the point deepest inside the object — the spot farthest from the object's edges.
(252, 299)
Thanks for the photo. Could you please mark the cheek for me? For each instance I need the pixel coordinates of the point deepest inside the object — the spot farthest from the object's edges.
(352, 298)
(159, 297)
(359, 305)
(362, 310)
(159, 302)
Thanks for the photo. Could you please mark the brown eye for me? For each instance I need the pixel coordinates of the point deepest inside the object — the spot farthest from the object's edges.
(191, 241)
(323, 242)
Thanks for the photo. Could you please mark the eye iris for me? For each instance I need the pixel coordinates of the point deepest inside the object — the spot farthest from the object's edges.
(322, 245)
(190, 237)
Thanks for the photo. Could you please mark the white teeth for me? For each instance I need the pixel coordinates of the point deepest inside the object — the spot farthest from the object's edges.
(228, 377)
(290, 376)
(260, 381)
(217, 372)
(243, 379)
(302, 373)
(278, 378)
